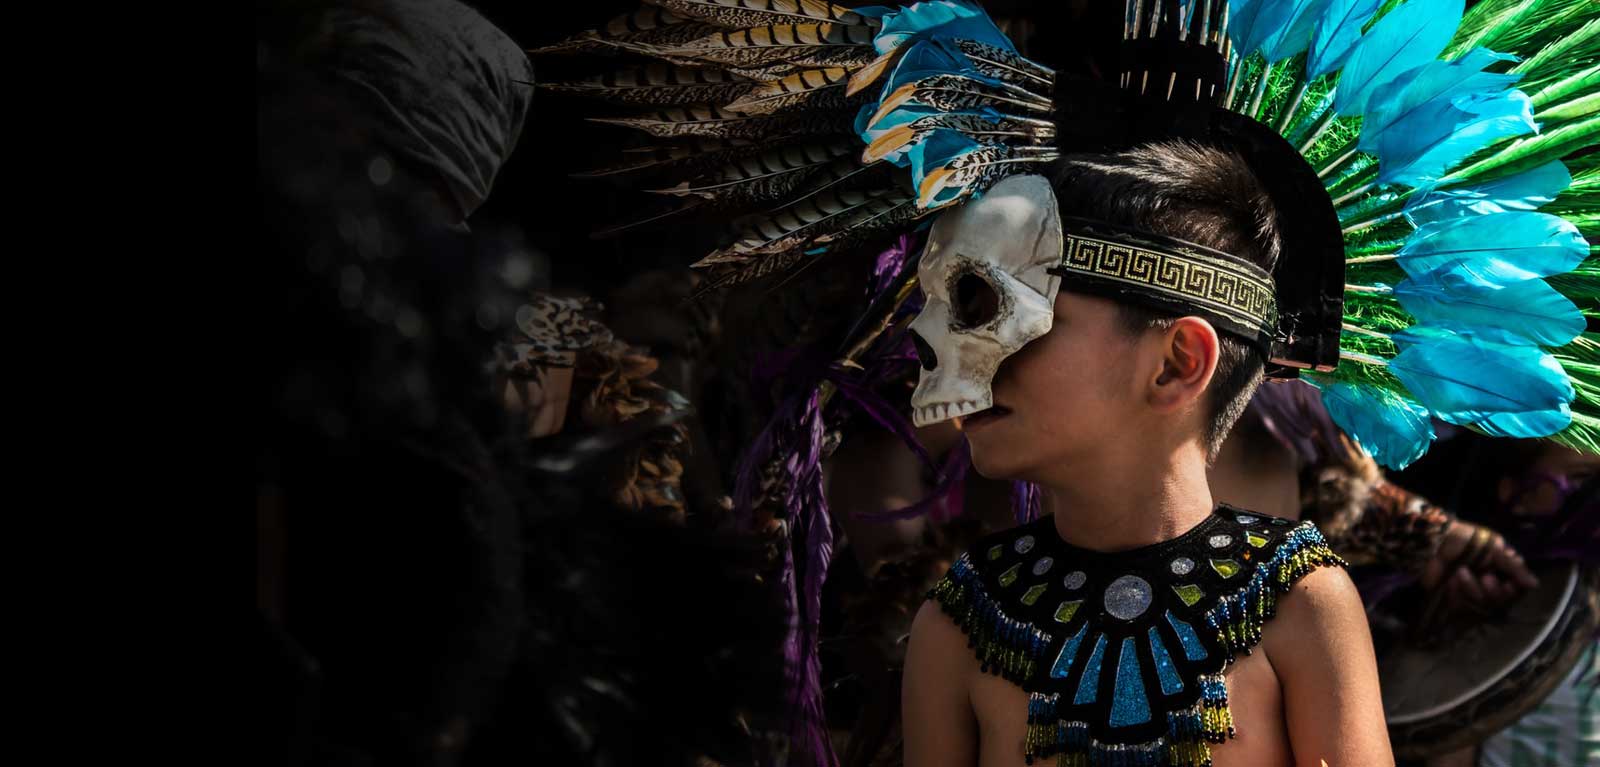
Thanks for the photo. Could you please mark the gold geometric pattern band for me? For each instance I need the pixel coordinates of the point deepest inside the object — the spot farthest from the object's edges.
(1227, 288)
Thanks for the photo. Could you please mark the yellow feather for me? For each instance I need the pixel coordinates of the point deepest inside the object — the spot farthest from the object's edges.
(870, 73)
(900, 96)
(883, 145)
(932, 185)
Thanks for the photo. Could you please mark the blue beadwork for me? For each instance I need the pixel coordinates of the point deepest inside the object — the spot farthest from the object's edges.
(1090, 684)
(1129, 705)
(1170, 681)
(1192, 649)
(1069, 651)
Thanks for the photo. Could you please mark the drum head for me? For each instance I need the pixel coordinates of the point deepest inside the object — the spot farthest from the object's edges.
(1463, 687)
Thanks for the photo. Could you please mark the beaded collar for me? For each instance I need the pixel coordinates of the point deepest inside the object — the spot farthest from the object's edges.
(1122, 654)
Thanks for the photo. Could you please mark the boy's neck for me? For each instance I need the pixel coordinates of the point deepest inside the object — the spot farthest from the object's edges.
(1117, 505)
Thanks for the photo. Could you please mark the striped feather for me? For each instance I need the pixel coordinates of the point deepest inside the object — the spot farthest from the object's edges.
(794, 224)
(815, 88)
(805, 45)
(872, 214)
(766, 176)
(973, 173)
(1007, 129)
(1008, 66)
(644, 27)
(657, 215)
(710, 122)
(756, 13)
(869, 74)
(954, 93)
(659, 85)
(698, 153)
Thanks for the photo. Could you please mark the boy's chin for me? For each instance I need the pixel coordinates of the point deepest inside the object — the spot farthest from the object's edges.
(995, 461)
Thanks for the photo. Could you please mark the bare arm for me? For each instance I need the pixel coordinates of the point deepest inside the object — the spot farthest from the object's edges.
(936, 715)
(1321, 649)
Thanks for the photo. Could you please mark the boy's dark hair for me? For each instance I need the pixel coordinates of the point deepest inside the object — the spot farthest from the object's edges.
(1193, 192)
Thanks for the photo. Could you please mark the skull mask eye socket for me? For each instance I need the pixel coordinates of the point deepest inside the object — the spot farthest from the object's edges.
(975, 301)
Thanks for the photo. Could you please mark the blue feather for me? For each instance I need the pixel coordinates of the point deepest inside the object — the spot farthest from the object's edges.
(1293, 34)
(1524, 191)
(910, 112)
(949, 19)
(1525, 425)
(1250, 21)
(1338, 30)
(926, 58)
(1498, 247)
(1435, 81)
(1404, 39)
(1465, 378)
(1395, 430)
(1530, 309)
(1419, 148)
(936, 151)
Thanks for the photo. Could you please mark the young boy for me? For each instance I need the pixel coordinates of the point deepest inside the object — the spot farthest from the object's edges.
(1135, 617)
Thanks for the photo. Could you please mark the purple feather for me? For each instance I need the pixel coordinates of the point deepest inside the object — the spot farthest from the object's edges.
(1025, 501)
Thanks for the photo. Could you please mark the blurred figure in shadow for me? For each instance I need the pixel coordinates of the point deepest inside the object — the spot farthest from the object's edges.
(450, 571)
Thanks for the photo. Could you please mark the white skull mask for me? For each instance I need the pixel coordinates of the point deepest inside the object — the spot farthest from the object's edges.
(989, 292)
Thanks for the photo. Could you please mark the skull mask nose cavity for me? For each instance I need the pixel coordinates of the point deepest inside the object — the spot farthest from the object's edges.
(925, 353)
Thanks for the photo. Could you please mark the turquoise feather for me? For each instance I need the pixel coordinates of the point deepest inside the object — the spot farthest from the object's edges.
(1523, 191)
(1337, 31)
(1525, 425)
(1294, 37)
(1433, 82)
(1529, 308)
(1464, 379)
(1499, 247)
(1277, 28)
(939, 149)
(1395, 430)
(949, 19)
(1423, 145)
(927, 58)
(1405, 38)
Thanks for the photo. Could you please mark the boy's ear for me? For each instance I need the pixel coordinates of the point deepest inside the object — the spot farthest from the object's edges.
(1190, 352)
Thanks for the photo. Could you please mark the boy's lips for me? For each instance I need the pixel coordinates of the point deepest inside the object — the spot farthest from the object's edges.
(983, 417)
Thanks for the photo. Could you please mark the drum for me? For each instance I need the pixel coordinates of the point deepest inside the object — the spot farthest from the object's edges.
(1459, 688)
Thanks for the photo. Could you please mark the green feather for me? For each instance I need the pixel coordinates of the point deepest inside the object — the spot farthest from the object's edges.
(1527, 152)
(1573, 86)
(1560, 57)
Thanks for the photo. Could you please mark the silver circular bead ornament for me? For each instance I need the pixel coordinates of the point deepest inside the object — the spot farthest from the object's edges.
(1023, 544)
(1075, 580)
(1219, 540)
(1245, 519)
(1043, 565)
(1182, 566)
(1128, 597)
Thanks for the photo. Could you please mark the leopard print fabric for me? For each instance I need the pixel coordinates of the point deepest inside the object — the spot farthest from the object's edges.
(550, 331)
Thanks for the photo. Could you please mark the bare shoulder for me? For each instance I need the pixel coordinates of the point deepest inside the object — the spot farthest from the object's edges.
(1321, 601)
(935, 634)
(1321, 650)
(940, 725)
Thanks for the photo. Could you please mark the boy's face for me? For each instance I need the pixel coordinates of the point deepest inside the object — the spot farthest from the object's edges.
(1069, 392)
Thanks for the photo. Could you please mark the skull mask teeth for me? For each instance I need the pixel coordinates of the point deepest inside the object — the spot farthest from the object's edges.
(985, 274)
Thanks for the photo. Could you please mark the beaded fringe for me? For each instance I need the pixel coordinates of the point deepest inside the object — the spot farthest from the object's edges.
(1007, 647)
(1238, 618)
(1190, 733)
